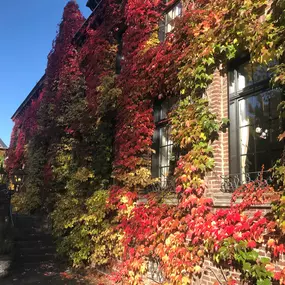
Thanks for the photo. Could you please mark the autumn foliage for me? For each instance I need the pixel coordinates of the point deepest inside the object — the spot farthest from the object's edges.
(86, 141)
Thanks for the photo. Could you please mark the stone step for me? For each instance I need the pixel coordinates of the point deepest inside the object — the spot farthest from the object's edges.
(36, 258)
(34, 237)
(39, 249)
(27, 222)
(33, 243)
(33, 229)
(42, 265)
(24, 218)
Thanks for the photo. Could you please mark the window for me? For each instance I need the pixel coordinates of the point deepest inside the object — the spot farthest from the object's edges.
(254, 121)
(167, 25)
(119, 56)
(162, 164)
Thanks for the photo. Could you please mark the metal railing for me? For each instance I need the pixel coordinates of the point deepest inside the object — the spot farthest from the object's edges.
(230, 183)
(227, 183)
(158, 187)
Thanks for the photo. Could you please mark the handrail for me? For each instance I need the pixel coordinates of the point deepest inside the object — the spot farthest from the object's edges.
(228, 183)
(231, 182)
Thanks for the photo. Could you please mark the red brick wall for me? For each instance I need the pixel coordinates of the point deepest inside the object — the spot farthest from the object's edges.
(217, 93)
(211, 274)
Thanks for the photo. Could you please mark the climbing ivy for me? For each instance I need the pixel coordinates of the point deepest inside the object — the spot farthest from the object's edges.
(86, 141)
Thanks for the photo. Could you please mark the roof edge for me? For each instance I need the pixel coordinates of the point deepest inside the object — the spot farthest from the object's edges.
(41, 81)
(78, 34)
(29, 97)
(3, 146)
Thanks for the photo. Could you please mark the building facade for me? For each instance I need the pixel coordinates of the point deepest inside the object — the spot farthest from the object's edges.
(139, 38)
(3, 149)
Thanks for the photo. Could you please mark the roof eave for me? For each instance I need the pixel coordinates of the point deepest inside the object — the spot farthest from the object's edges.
(85, 24)
(29, 97)
(41, 81)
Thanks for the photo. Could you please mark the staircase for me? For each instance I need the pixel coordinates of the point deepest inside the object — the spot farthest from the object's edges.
(35, 259)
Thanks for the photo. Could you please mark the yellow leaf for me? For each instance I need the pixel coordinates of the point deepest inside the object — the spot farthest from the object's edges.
(143, 268)
(202, 136)
(186, 280)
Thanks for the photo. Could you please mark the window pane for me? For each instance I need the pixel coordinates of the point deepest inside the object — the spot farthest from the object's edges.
(165, 152)
(233, 139)
(162, 142)
(164, 109)
(274, 132)
(169, 23)
(261, 109)
(262, 138)
(275, 99)
(244, 76)
(262, 159)
(231, 82)
(165, 146)
(177, 10)
(164, 172)
(164, 157)
(246, 140)
(275, 155)
(171, 15)
(170, 152)
(155, 155)
(255, 127)
(254, 110)
(156, 114)
(247, 111)
(169, 141)
(163, 137)
(247, 163)
(259, 73)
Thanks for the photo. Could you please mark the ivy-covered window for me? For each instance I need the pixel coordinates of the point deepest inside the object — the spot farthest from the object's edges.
(167, 24)
(162, 143)
(254, 121)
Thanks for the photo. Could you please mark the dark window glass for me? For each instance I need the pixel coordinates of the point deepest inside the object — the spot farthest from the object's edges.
(162, 143)
(260, 73)
(165, 153)
(254, 122)
(244, 76)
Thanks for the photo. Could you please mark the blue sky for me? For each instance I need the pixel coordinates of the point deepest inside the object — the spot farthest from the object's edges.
(27, 29)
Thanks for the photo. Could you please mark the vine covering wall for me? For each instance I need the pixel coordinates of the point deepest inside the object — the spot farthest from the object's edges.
(2, 156)
(86, 141)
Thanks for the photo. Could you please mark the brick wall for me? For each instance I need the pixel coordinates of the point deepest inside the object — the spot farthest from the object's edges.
(211, 274)
(217, 93)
